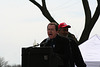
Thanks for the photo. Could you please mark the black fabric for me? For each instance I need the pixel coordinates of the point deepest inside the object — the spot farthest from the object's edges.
(76, 56)
(67, 49)
(61, 48)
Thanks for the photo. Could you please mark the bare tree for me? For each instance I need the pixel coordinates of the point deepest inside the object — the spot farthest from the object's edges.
(44, 10)
(13, 66)
(16, 66)
(89, 21)
(3, 63)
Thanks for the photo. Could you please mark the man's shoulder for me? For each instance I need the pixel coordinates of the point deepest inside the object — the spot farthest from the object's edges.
(46, 39)
(44, 42)
(61, 38)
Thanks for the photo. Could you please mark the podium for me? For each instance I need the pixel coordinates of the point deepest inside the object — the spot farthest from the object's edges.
(38, 57)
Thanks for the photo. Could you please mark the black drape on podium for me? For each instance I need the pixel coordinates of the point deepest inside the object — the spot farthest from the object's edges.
(38, 57)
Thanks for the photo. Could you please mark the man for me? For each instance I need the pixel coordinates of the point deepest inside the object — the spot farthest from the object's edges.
(63, 30)
(76, 57)
(59, 44)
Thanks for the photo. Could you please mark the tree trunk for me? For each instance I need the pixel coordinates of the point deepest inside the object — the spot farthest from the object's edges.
(89, 22)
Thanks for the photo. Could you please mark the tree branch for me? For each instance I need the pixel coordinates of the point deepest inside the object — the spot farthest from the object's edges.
(90, 22)
(44, 4)
(96, 15)
(98, 1)
(44, 10)
(36, 3)
(87, 12)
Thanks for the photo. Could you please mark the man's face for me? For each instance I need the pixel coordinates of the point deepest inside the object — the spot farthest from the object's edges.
(63, 31)
(51, 31)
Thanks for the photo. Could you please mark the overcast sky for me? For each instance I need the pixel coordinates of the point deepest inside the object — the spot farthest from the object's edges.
(21, 22)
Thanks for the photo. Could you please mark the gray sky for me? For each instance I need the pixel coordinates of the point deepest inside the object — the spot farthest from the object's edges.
(21, 23)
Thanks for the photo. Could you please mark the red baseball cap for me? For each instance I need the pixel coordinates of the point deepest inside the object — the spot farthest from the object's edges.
(63, 24)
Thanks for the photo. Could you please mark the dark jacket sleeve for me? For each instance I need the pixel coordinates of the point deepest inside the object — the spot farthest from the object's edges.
(42, 44)
(77, 57)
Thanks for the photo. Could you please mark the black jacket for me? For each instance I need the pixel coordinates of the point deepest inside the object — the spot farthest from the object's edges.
(60, 46)
(76, 57)
(67, 49)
